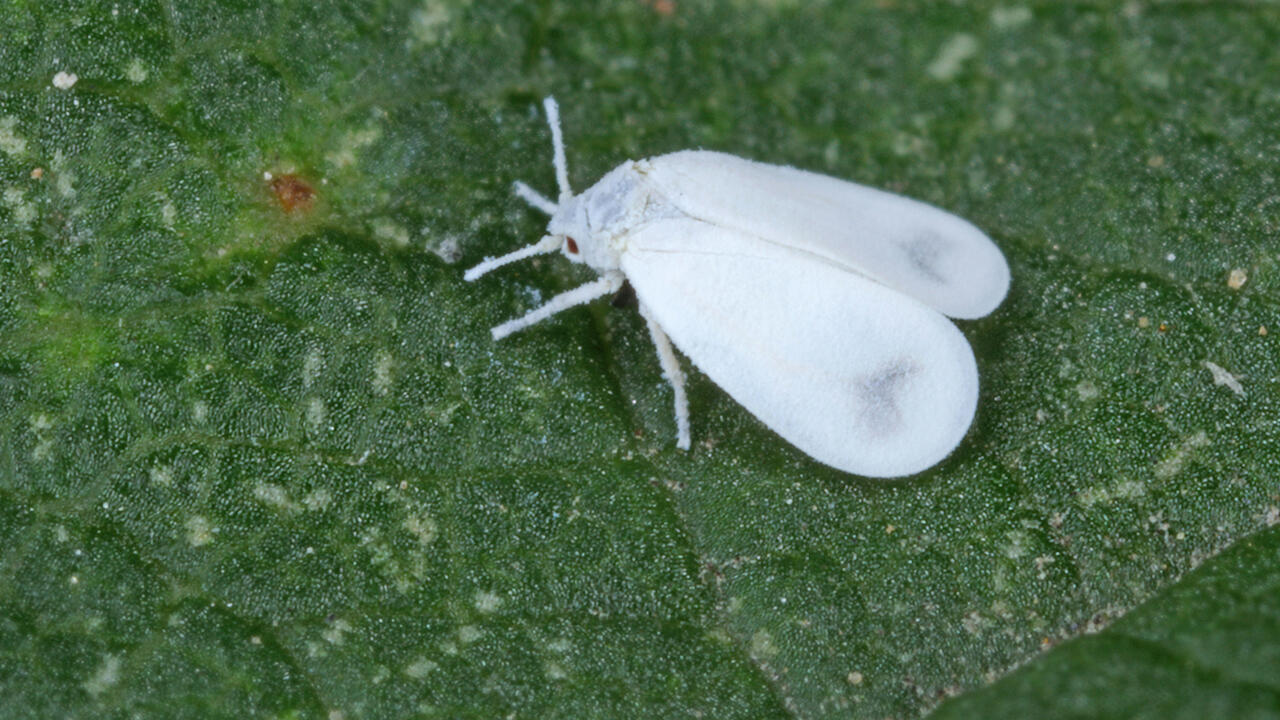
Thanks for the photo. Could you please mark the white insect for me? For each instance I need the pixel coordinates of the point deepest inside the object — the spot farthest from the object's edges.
(814, 302)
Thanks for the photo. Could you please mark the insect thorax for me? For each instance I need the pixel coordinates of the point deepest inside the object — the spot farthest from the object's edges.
(602, 216)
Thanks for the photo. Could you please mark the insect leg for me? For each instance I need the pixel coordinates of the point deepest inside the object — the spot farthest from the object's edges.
(604, 285)
(671, 369)
(548, 244)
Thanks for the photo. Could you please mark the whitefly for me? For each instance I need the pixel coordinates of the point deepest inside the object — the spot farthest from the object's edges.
(818, 304)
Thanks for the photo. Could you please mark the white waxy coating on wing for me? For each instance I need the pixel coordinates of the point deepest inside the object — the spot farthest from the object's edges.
(927, 253)
(859, 376)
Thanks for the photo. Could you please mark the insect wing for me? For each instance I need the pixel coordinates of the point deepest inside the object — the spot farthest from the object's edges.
(859, 376)
(934, 256)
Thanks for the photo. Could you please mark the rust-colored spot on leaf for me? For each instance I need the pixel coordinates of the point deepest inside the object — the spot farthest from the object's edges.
(665, 8)
(292, 192)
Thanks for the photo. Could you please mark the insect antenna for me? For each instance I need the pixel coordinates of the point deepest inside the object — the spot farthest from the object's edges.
(550, 243)
(535, 198)
(557, 145)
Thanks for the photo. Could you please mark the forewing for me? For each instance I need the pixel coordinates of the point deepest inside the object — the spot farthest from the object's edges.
(934, 256)
(859, 376)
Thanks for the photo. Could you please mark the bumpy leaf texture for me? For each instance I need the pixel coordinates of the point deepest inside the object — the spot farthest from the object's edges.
(260, 458)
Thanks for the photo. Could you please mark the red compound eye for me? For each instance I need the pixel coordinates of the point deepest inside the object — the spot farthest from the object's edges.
(572, 245)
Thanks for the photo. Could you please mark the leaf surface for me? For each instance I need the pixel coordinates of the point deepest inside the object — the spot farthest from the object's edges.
(259, 456)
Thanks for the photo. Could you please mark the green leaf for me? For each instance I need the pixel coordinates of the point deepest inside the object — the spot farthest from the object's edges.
(1206, 647)
(259, 456)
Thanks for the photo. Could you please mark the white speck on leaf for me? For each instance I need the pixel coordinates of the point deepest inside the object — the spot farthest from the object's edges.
(317, 499)
(64, 80)
(762, 647)
(168, 212)
(336, 632)
(1272, 516)
(136, 72)
(199, 532)
(393, 232)
(311, 366)
(1019, 540)
(1009, 18)
(1172, 464)
(1222, 377)
(107, 674)
(316, 414)
(11, 143)
(382, 366)
(275, 496)
(952, 56)
(23, 212)
(468, 634)
(430, 23)
(349, 146)
(161, 475)
(487, 602)
(422, 527)
(447, 248)
(420, 668)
